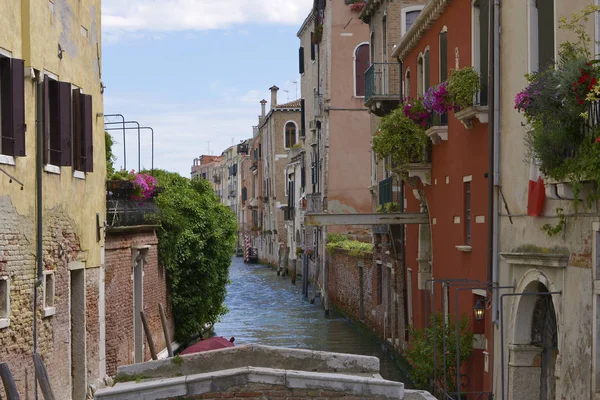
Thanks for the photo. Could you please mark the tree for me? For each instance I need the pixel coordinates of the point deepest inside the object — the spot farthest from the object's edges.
(110, 156)
(196, 243)
(420, 353)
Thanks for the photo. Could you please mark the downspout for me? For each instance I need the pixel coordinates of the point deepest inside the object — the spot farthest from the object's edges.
(39, 204)
(496, 152)
(403, 233)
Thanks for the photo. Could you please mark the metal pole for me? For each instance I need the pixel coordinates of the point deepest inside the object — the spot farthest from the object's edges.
(124, 148)
(502, 326)
(142, 127)
(138, 129)
(39, 210)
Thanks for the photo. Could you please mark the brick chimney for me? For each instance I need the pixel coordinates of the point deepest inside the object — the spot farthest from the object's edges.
(273, 90)
(263, 104)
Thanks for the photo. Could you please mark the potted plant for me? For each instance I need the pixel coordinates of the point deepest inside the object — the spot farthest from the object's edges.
(463, 86)
(416, 112)
(299, 251)
(356, 5)
(436, 100)
(400, 138)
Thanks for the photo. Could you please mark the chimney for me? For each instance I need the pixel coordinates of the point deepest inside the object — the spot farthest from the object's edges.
(263, 104)
(273, 90)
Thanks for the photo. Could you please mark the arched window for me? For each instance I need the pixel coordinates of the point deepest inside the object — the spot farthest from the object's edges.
(290, 134)
(361, 64)
(408, 17)
(480, 46)
(420, 68)
(444, 54)
(426, 70)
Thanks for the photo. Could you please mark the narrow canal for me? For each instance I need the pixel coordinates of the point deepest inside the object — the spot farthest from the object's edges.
(267, 309)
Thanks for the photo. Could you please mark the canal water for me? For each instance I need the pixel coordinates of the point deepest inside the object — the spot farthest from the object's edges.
(267, 309)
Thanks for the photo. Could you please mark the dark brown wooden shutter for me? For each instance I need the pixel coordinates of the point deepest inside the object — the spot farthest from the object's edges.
(312, 46)
(78, 150)
(64, 124)
(546, 32)
(47, 121)
(361, 65)
(88, 133)
(301, 59)
(17, 116)
(5, 95)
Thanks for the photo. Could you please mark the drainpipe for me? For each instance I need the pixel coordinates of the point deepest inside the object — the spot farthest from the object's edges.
(39, 128)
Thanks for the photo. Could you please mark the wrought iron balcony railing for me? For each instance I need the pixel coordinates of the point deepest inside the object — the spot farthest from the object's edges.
(124, 212)
(383, 81)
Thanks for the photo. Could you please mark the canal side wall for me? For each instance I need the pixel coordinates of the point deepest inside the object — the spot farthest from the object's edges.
(122, 249)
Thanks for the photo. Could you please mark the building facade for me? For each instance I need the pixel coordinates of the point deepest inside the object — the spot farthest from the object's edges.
(52, 128)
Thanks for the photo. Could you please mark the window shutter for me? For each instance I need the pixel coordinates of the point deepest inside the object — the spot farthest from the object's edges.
(17, 97)
(6, 128)
(47, 122)
(443, 56)
(312, 46)
(302, 176)
(301, 59)
(426, 72)
(545, 34)
(88, 135)
(64, 123)
(312, 168)
(78, 150)
(484, 17)
(302, 118)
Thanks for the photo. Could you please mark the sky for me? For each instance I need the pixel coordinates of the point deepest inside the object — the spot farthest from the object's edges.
(195, 71)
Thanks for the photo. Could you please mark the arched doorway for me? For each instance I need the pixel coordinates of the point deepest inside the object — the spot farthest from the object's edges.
(534, 350)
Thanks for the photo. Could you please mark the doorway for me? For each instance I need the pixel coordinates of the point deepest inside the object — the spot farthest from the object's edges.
(78, 333)
(138, 302)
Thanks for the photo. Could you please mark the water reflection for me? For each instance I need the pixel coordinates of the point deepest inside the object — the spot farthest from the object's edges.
(266, 309)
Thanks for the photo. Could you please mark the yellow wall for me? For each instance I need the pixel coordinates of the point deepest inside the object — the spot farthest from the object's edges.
(30, 30)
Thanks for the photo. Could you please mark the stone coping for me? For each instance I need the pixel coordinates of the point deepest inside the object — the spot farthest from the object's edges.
(256, 356)
(219, 381)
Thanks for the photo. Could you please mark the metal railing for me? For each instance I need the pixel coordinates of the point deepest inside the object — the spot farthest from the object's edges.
(386, 191)
(383, 80)
(314, 203)
(437, 120)
(425, 156)
(124, 212)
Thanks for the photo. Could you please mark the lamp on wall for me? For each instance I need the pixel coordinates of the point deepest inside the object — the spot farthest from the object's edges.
(479, 310)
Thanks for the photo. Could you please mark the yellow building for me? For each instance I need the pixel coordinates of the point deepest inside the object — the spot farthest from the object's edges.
(51, 94)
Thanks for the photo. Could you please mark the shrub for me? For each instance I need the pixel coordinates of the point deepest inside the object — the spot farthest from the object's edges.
(463, 86)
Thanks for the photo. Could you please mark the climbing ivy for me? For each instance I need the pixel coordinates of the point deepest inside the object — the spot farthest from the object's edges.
(196, 242)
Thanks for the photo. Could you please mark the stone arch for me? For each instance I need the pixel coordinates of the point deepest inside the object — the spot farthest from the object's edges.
(534, 346)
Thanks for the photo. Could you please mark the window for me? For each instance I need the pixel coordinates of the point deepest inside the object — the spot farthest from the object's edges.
(420, 76)
(426, 71)
(57, 122)
(361, 64)
(12, 107)
(301, 59)
(409, 16)
(480, 46)
(545, 17)
(372, 52)
(312, 46)
(384, 40)
(48, 293)
(407, 84)
(467, 213)
(444, 54)
(291, 134)
(4, 301)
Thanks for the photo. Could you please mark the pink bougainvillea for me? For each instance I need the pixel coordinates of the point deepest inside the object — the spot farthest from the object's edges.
(144, 187)
(436, 99)
(416, 112)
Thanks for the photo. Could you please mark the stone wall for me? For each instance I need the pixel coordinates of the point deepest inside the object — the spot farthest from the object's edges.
(119, 296)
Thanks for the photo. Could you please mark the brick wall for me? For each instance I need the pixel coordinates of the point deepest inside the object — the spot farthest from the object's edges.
(17, 260)
(119, 297)
(386, 318)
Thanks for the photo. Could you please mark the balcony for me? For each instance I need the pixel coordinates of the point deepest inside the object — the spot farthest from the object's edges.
(123, 212)
(383, 88)
(216, 179)
(420, 167)
(469, 114)
(437, 128)
(243, 148)
(314, 203)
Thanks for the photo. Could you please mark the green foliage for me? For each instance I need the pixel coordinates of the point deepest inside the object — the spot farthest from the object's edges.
(110, 156)
(554, 230)
(421, 349)
(121, 175)
(196, 240)
(561, 138)
(388, 207)
(355, 248)
(299, 251)
(177, 360)
(463, 85)
(137, 378)
(400, 139)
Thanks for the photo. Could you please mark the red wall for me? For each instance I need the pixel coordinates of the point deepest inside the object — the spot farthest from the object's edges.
(464, 153)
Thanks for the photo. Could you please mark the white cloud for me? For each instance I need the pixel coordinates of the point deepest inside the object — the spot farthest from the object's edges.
(178, 15)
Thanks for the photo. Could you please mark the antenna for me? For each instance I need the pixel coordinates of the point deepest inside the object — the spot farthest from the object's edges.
(287, 94)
